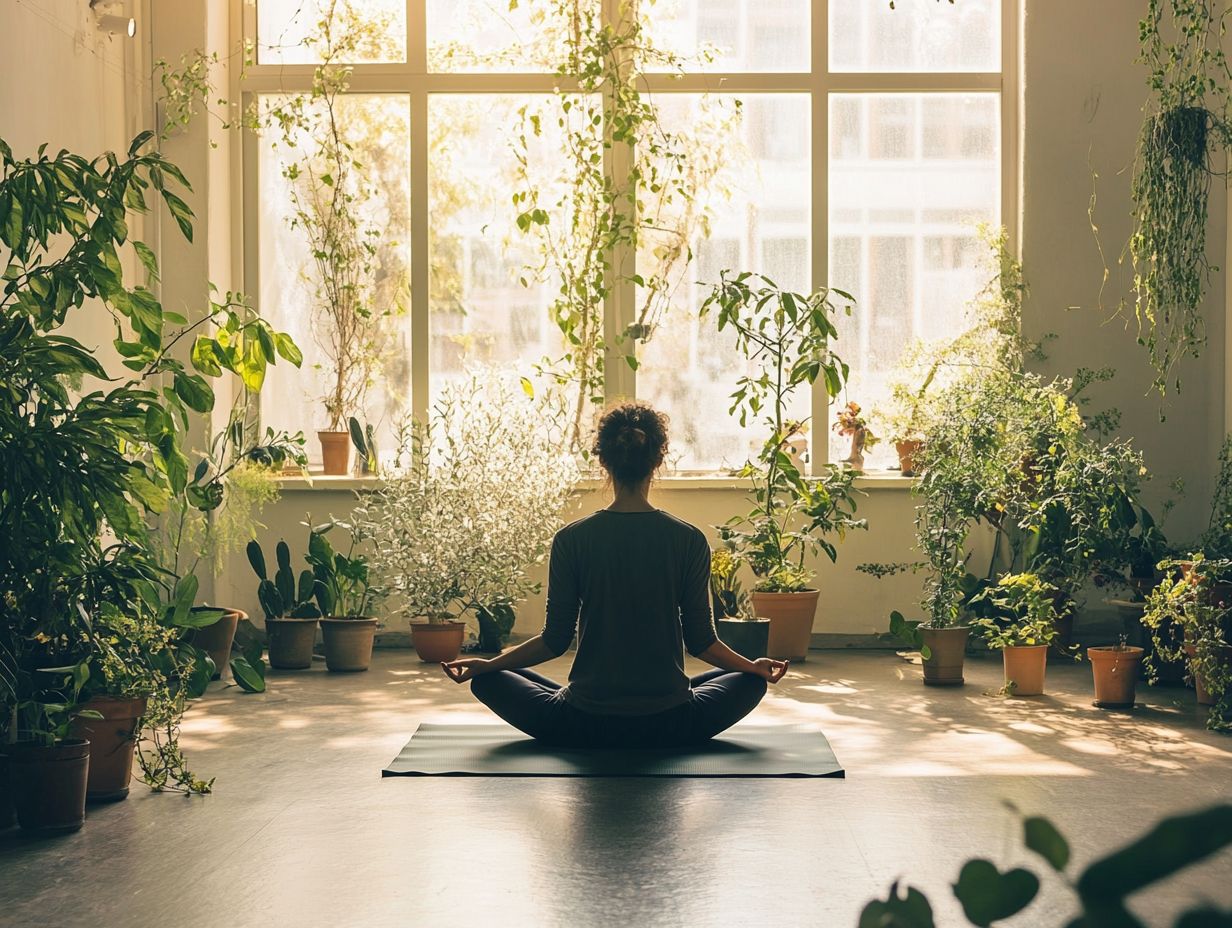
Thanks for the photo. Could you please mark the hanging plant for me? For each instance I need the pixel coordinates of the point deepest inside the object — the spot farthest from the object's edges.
(1185, 125)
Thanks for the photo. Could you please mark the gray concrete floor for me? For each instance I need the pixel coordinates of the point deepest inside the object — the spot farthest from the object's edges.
(302, 830)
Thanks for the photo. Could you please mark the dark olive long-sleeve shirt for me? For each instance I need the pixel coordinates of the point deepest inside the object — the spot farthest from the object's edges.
(635, 586)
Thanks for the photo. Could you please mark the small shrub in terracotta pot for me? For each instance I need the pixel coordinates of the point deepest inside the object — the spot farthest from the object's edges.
(1023, 630)
(455, 532)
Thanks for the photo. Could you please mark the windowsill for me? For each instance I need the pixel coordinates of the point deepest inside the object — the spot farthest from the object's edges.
(876, 481)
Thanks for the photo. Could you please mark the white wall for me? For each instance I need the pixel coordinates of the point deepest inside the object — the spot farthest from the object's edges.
(65, 83)
(1083, 98)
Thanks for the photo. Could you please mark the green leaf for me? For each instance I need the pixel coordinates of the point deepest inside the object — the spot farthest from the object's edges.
(287, 349)
(148, 259)
(202, 618)
(194, 391)
(1042, 837)
(256, 557)
(528, 388)
(987, 895)
(250, 679)
(910, 911)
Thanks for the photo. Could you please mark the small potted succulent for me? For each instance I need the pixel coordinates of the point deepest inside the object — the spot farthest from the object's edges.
(735, 622)
(1022, 630)
(345, 598)
(851, 423)
(290, 607)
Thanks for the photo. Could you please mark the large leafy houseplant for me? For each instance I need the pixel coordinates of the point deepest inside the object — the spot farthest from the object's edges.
(786, 337)
(86, 466)
(457, 530)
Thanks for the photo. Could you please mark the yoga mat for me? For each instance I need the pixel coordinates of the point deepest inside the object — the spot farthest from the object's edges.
(502, 751)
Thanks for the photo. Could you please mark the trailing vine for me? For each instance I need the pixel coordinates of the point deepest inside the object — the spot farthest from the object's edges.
(1186, 122)
(629, 187)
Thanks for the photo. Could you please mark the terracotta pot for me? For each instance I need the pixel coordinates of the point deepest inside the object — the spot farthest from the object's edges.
(49, 785)
(949, 650)
(437, 641)
(747, 637)
(113, 739)
(791, 622)
(290, 642)
(348, 642)
(216, 639)
(908, 450)
(335, 452)
(1025, 666)
(1204, 696)
(1116, 675)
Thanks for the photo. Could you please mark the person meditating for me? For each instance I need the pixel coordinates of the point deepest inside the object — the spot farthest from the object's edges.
(634, 583)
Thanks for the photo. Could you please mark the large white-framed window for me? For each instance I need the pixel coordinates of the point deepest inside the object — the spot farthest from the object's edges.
(873, 141)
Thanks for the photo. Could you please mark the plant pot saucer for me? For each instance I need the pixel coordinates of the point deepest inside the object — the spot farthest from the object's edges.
(1115, 706)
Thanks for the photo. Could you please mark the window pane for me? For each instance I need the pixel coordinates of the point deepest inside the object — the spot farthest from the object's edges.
(911, 175)
(482, 315)
(379, 129)
(689, 369)
(487, 36)
(738, 35)
(290, 31)
(918, 35)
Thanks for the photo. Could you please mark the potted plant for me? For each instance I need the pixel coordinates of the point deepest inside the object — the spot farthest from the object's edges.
(290, 608)
(345, 598)
(456, 529)
(1190, 618)
(330, 185)
(1115, 669)
(1024, 630)
(786, 337)
(87, 466)
(735, 623)
(49, 769)
(851, 424)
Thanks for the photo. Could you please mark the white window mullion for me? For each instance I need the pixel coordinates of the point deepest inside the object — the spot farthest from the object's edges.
(819, 207)
(620, 383)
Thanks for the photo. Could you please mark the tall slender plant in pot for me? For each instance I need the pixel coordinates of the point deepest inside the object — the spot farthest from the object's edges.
(345, 596)
(786, 337)
(331, 190)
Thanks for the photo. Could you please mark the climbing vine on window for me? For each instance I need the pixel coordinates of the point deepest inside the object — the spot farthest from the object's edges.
(627, 181)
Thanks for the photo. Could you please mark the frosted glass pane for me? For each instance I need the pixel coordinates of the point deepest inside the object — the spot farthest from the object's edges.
(911, 175)
(487, 36)
(738, 35)
(289, 31)
(918, 35)
(689, 369)
(481, 314)
(379, 129)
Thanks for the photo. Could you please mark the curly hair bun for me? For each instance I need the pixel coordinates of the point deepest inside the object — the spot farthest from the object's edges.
(631, 442)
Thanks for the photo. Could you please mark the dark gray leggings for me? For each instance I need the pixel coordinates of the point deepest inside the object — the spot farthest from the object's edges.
(533, 703)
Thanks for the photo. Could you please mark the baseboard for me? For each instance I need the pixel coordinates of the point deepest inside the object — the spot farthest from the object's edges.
(837, 641)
